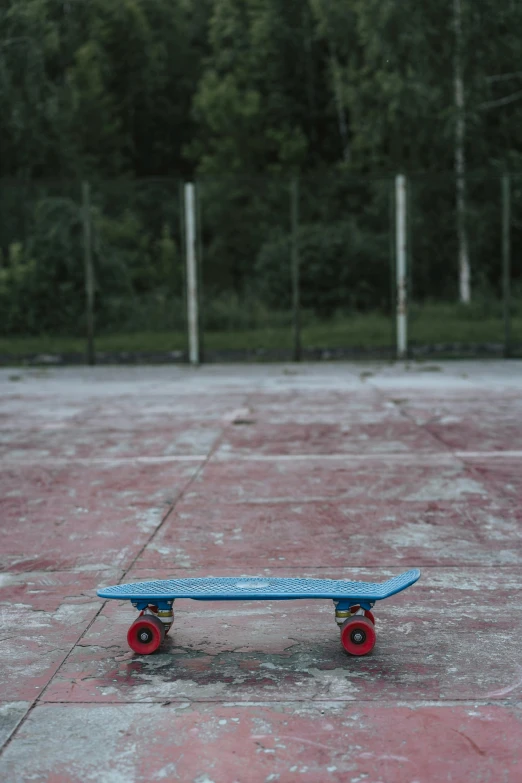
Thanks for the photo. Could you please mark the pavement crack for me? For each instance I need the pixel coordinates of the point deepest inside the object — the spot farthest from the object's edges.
(473, 744)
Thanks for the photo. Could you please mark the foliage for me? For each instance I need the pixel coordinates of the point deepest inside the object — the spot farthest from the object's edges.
(245, 95)
(341, 268)
(42, 281)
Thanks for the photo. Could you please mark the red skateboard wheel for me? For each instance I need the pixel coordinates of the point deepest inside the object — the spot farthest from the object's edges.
(367, 613)
(358, 635)
(145, 634)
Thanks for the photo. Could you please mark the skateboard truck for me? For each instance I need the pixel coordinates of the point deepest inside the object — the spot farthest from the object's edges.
(353, 602)
(343, 611)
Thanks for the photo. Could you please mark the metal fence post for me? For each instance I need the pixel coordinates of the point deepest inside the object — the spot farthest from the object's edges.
(506, 261)
(88, 270)
(392, 248)
(192, 275)
(401, 271)
(296, 320)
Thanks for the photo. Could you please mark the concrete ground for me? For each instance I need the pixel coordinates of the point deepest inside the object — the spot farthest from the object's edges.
(330, 470)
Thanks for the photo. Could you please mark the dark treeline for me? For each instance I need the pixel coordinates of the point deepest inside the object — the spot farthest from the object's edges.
(244, 96)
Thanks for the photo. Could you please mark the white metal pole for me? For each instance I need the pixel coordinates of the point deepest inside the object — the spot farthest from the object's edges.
(402, 296)
(192, 277)
(88, 271)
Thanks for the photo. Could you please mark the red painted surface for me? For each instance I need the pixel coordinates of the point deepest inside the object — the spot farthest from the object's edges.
(470, 422)
(114, 441)
(387, 480)
(287, 742)
(503, 476)
(334, 533)
(329, 471)
(68, 514)
(42, 617)
(392, 433)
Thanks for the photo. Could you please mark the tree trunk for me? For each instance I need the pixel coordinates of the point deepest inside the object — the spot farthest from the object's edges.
(339, 102)
(460, 160)
(337, 81)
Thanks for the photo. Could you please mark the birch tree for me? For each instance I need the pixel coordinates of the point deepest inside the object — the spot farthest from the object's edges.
(460, 158)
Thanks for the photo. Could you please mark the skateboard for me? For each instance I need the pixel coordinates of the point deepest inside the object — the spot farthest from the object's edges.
(353, 602)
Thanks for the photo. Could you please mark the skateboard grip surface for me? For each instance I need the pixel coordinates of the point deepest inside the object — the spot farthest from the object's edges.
(259, 588)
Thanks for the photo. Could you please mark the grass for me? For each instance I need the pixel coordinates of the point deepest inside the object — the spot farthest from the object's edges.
(50, 344)
(427, 326)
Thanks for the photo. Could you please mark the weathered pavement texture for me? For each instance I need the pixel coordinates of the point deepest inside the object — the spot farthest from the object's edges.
(330, 470)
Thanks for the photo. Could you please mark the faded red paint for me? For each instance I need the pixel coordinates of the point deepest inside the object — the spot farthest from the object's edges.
(315, 743)
(333, 534)
(67, 514)
(333, 471)
(42, 617)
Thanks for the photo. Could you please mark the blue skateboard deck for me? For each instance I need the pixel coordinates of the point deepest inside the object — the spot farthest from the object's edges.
(259, 589)
(353, 602)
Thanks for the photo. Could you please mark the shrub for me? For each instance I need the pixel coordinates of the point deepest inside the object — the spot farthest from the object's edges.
(341, 268)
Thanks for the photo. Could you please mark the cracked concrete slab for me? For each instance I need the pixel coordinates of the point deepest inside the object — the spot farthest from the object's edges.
(502, 476)
(330, 470)
(333, 533)
(468, 421)
(422, 478)
(294, 424)
(70, 514)
(42, 616)
(11, 713)
(201, 743)
(112, 441)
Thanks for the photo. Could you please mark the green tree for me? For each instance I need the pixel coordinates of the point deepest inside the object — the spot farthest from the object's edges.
(260, 105)
(98, 89)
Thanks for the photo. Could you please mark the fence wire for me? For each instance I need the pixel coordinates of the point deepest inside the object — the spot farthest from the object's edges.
(288, 268)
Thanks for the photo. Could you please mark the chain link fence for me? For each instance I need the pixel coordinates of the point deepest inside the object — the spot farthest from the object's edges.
(439, 322)
(286, 269)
